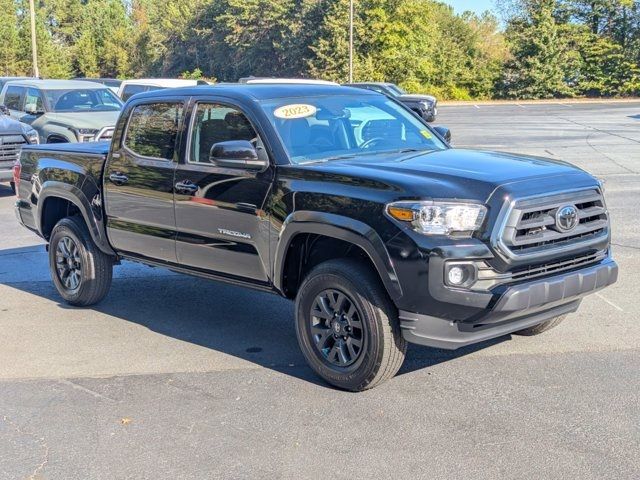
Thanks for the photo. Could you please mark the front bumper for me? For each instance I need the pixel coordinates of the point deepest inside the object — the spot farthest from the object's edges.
(520, 306)
(6, 175)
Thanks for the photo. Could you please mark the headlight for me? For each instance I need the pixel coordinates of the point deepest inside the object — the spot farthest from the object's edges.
(426, 104)
(32, 137)
(439, 218)
(86, 134)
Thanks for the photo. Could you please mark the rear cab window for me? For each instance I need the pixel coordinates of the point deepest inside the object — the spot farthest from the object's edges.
(153, 128)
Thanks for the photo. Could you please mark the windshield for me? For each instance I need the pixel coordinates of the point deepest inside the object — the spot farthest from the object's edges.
(80, 100)
(334, 127)
(396, 90)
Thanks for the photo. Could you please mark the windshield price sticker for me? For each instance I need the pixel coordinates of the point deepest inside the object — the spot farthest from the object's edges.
(426, 133)
(289, 112)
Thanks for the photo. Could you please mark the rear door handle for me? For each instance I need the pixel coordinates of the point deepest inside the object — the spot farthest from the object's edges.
(186, 187)
(118, 178)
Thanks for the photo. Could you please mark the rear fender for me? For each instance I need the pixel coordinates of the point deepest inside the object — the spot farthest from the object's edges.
(91, 213)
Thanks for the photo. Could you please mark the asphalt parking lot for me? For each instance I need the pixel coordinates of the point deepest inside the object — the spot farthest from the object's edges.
(180, 378)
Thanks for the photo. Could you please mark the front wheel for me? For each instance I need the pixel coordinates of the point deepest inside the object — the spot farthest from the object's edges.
(80, 271)
(347, 327)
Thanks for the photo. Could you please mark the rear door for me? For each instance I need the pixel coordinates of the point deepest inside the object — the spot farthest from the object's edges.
(138, 180)
(221, 224)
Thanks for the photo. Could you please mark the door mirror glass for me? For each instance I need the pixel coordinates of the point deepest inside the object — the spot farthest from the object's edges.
(236, 154)
(444, 132)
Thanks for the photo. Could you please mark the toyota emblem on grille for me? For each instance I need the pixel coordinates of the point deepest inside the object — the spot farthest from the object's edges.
(567, 218)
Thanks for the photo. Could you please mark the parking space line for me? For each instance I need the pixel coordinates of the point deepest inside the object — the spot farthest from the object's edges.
(476, 106)
(609, 302)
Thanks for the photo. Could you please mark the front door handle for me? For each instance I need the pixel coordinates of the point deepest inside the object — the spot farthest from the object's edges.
(186, 187)
(118, 178)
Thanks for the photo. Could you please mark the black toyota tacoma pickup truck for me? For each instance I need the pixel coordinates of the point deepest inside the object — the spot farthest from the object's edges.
(339, 198)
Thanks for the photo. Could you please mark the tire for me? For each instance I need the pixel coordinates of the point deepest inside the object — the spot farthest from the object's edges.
(430, 118)
(13, 187)
(89, 270)
(542, 327)
(369, 319)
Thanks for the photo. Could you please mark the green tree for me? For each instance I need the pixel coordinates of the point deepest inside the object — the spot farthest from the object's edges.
(9, 38)
(542, 64)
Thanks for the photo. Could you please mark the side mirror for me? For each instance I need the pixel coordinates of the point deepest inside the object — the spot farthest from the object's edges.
(236, 154)
(31, 109)
(444, 132)
(4, 110)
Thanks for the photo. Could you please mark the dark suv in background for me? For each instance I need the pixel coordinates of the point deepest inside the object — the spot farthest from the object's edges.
(13, 135)
(424, 105)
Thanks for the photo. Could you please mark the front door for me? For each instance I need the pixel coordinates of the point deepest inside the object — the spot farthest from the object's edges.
(221, 224)
(138, 182)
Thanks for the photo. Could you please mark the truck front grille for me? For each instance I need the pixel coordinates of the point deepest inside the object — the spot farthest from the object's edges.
(10, 146)
(105, 134)
(538, 225)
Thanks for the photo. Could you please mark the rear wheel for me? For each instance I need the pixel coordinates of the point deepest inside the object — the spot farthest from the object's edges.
(542, 327)
(347, 327)
(81, 272)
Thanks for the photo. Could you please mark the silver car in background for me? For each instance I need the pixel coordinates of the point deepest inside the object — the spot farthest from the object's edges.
(63, 111)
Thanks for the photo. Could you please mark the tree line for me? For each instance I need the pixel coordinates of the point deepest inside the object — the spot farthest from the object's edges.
(537, 49)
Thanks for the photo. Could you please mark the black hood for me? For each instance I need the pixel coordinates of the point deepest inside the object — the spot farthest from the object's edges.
(462, 174)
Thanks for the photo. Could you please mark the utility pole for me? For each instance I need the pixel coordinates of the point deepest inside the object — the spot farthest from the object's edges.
(350, 41)
(34, 47)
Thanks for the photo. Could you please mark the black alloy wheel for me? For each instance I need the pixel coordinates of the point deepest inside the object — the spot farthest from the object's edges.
(337, 328)
(69, 264)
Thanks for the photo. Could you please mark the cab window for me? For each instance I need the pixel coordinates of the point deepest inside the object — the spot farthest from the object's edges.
(153, 130)
(14, 97)
(215, 123)
(33, 100)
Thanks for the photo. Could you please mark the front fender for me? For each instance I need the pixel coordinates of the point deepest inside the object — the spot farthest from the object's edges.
(341, 228)
(77, 196)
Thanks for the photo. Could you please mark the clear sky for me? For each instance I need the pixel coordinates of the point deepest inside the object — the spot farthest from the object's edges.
(477, 6)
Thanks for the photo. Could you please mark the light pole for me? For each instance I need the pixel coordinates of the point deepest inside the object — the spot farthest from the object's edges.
(350, 41)
(34, 47)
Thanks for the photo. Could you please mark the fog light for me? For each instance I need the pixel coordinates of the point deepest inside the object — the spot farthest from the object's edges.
(460, 275)
(457, 275)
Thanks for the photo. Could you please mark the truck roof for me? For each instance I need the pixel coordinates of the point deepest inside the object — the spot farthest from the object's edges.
(265, 91)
